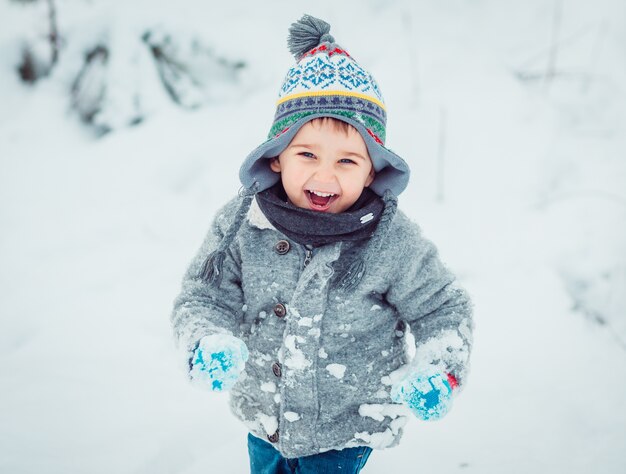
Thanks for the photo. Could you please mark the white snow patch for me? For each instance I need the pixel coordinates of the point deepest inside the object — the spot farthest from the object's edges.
(244, 308)
(315, 332)
(257, 218)
(268, 387)
(291, 416)
(384, 353)
(398, 423)
(261, 359)
(307, 322)
(376, 440)
(262, 315)
(375, 307)
(336, 370)
(379, 411)
(322, 353)
(399, 374)
(269, 423)
(296, 359)
(409, 345)
(277, 398)
(448, 345)
(317, 318)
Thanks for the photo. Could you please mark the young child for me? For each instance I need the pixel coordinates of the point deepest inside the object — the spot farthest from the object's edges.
(303, 295)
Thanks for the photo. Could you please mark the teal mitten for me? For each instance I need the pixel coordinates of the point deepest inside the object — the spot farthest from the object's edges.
(428, 395)
(217, 361)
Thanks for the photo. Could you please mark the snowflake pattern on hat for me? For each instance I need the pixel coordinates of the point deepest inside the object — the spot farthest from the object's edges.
(321, 72)
(327, 79)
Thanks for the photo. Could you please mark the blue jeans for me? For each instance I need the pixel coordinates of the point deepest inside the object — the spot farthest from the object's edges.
(265, 459)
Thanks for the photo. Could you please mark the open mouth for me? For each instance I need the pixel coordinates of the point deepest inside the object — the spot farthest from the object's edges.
(320, 201)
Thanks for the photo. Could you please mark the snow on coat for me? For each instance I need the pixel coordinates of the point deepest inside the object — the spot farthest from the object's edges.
(321, 359)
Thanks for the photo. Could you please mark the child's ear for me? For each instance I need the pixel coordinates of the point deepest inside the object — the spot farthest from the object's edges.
(275, 164)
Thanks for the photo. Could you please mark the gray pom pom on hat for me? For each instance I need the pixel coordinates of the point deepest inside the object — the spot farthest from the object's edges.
(306, 34)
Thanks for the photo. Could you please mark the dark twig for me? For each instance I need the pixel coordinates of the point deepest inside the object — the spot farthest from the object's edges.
(54, 32)
(554, 43)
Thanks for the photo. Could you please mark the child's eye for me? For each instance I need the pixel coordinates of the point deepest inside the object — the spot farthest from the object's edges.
(307, 154)
(346, 160)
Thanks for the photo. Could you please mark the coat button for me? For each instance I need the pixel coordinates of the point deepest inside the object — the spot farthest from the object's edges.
(282, 247)
(273, 437)
(280, 310)
(277, 369)
(400, 328)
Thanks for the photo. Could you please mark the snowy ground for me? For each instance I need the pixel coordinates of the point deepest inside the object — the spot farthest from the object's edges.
(96, 233)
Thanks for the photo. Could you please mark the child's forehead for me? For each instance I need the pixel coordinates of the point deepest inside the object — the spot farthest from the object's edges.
(319, 130)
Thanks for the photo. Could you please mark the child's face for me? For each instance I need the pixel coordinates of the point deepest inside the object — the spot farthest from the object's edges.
(324, 168)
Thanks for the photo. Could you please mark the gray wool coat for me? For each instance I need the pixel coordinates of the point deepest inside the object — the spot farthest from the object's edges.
(322, 360)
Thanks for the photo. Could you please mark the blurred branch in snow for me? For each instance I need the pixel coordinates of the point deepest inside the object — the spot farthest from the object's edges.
(117, 85)
(190, 72)
(568, 41)
(554, 46)
(592, 256)
(89, 88)
(32, 67)
(599, 296)
(54, 32)
(529, 70)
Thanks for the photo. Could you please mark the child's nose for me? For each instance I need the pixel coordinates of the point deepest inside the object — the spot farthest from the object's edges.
(325, 173)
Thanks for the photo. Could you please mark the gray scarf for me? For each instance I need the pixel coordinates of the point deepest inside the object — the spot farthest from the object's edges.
(316, 228)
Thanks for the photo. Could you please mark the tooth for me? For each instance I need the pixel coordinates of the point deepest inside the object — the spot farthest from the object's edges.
(322, 194)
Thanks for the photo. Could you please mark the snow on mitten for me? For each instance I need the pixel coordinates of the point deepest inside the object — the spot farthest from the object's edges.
(428, 395)
(218, 360)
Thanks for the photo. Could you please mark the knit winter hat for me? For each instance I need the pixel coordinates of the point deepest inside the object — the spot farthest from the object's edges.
(326, 82)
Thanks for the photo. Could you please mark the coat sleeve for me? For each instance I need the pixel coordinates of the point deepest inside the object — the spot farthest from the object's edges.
(201, 309)
(437, 310)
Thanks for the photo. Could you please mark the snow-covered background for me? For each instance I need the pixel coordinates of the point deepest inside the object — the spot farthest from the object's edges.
(512, 116)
